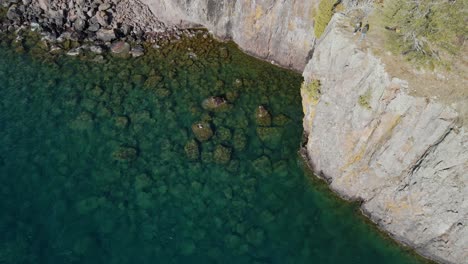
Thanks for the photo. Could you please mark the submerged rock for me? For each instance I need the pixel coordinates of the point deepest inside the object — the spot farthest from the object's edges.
(239, 140)
(122, 121)
(125, 154)
(120, 49)
(262, 116)
(215, 104)
(192, 150)
(270, 136)
(83, 121)
(106, 35)
(262, 165)
(137, 51)
(222, 154)
(74, 52)
(153, 81)
(202, 131)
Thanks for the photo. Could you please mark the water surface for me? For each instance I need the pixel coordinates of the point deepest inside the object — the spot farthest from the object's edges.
(99, 164)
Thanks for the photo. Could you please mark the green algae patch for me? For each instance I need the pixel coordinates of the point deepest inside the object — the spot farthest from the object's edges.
(364, 100)
(103, 162)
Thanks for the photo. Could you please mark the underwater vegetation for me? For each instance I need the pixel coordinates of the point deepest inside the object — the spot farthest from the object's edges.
(187, 154)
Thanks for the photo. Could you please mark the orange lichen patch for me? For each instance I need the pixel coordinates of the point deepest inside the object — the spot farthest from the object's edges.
(408, 145)
(404, 206)
(371, 135)
(258, 12)
(385, 129)
(352, 177)
(291, 25)
(354, 158)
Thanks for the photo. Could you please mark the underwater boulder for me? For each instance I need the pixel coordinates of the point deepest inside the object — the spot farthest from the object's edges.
(270, 136)
(162, 93)
(262, 165)
(153, 81)
(239, 140)
(202, 131)
(215, 104)
(125, 154)
(237, 83)
(137, 51)
(233, 166)
(232, 96)
(120, 49)
(262, 116)
(222, 154)
(280, 120)
(207, 156)
(223, 134)
(83, 121)
(192, 150)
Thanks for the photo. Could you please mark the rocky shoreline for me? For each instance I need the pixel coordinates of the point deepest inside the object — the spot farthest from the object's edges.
(74, 27)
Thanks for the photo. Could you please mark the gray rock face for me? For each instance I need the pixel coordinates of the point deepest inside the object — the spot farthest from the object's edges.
(270, 29)
(405, 158)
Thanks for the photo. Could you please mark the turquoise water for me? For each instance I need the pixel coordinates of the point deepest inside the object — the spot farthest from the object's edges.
(99, 164)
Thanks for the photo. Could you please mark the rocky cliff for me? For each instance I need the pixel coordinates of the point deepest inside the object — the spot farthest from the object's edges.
(404, 157)
(281, 31)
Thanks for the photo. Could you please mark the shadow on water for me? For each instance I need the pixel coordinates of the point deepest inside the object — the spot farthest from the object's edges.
(125, 161)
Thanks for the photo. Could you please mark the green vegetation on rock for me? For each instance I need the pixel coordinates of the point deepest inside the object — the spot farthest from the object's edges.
(426, 31)
(312, 89)
(364, 99)
(322, 16)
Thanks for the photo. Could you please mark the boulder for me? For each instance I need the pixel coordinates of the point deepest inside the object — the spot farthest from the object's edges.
(222, 154)
(104, 6)
(125, 154)
(215, 104)
(74, 52)
(102, 18)
(79, 24)
(13, 13)
(192, 150)
(96, 49)
(120, 49)
(262, 116)
(137, 51)
(105, 35)
(93, 27)
(202, 131)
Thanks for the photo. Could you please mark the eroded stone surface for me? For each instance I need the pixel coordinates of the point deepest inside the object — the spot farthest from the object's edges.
(405, 157)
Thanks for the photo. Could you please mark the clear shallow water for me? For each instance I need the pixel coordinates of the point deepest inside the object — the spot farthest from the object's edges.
(94, 165)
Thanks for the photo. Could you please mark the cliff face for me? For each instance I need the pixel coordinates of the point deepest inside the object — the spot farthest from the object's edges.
(404, 157)
(270, 29)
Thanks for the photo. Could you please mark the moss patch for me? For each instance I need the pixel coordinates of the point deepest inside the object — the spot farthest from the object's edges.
(312, 89)
(323, 16)
(364, 100)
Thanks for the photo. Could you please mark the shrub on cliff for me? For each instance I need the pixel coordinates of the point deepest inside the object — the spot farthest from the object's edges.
(426, 30)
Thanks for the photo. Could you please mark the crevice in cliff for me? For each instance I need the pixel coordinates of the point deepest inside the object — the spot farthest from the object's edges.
(416, 165)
